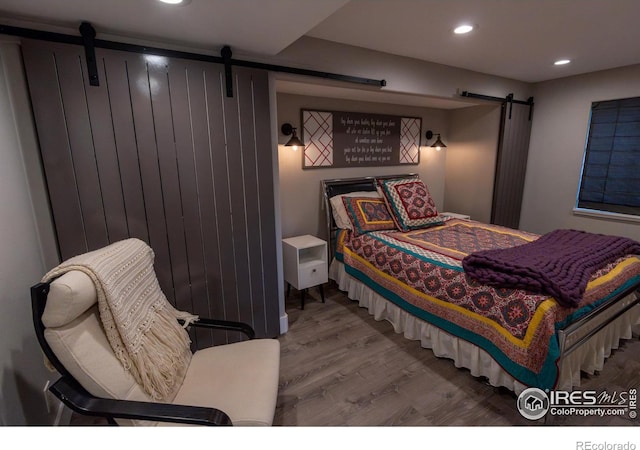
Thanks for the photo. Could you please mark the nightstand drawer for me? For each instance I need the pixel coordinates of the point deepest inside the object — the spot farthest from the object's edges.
(312, 273)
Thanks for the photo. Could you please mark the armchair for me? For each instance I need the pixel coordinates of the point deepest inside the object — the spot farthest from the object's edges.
(232, 384)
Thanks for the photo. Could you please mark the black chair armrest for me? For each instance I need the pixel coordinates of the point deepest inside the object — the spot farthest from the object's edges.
(80, 401)
(225, 325)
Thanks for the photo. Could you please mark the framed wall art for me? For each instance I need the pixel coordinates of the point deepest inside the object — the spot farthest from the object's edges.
(349, 139)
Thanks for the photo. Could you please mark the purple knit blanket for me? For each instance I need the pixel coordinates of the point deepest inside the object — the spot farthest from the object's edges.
(559, 263)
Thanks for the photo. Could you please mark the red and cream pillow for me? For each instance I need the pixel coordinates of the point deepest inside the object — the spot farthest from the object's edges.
(410, 203)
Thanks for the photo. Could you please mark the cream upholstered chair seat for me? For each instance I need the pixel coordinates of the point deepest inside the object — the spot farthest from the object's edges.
(233, 384)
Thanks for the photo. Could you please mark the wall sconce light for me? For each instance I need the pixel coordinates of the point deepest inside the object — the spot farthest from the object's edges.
(289, 130)
(438, 144)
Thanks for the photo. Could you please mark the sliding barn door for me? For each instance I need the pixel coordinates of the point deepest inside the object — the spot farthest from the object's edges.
(158, 152)
(511, 166)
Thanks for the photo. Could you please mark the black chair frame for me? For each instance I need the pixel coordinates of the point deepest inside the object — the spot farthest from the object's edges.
(74, 396)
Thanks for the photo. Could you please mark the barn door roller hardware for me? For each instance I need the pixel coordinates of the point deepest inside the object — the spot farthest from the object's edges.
(90, 43)
(88, 37)
(228, 74)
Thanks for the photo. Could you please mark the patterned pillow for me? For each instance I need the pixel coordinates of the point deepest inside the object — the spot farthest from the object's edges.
(410, 203)
(368, 214)
(340, 215)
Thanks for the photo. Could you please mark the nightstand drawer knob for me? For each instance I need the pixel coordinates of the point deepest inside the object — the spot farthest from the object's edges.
(314, 270)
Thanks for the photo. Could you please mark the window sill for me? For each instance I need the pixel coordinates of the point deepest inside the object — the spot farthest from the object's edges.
(606, 215)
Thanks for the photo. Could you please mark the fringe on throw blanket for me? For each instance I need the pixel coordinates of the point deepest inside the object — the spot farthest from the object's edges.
(140, 323)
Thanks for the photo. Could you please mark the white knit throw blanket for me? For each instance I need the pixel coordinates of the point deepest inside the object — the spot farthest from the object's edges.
(140, 323)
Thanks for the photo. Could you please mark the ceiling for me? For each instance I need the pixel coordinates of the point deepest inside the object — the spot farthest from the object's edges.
(518, 39)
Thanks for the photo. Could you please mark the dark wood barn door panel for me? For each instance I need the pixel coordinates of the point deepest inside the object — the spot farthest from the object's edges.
(511, 165)
(159, 152)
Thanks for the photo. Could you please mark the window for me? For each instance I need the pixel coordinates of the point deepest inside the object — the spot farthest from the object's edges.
(611, 170)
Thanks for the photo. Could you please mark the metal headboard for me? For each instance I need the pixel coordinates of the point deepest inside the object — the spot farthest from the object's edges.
(337, 186)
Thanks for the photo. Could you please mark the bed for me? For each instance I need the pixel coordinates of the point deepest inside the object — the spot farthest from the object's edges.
(413, 277)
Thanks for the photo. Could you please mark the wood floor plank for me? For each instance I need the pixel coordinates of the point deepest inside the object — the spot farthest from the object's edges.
(354, 371)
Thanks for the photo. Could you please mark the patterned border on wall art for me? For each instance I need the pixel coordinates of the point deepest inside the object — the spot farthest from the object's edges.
(410, 141)
(318, 138)
(348, 139)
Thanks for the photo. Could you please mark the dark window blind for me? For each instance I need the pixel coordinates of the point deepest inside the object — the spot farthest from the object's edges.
(611, 169)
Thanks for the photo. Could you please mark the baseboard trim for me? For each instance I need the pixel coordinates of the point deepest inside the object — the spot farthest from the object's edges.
(63, 416)
(284, 323)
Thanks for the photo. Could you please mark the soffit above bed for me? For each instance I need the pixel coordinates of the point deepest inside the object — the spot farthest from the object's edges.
(316, 89)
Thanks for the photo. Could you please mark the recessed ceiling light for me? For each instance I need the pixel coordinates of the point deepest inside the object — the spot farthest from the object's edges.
(463, 29)
(175, 2)
(562, 62)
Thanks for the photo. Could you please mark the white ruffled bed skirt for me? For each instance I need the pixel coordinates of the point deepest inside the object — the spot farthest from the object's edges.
(588, 358)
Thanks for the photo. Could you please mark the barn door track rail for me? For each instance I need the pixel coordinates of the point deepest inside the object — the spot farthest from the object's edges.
(90, 43)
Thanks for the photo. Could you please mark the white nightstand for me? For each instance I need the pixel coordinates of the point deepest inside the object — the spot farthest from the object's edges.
(305, 264)
(456, 215)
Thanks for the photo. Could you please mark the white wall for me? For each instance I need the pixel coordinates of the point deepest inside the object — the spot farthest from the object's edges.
(23, 252)
(558, 138)
(471, 161)
(300, 190)
(402, 74)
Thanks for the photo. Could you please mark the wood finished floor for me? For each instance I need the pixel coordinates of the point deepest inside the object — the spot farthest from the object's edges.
(339, 367)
